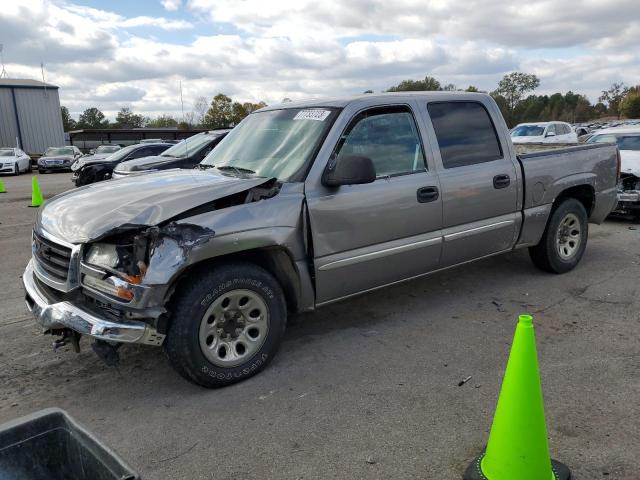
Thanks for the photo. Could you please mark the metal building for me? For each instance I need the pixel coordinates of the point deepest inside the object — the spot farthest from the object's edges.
(30, 115)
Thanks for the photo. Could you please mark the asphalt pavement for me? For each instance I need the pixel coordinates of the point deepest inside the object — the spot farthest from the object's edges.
(363, 389)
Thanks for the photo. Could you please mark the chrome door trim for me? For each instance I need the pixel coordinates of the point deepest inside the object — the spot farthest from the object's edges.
(380, 253)
(473, 231)
(414, 277)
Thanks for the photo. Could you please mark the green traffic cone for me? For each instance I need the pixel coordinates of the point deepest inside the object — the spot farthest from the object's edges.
(2, 190)
(518, 448)
(36, 194)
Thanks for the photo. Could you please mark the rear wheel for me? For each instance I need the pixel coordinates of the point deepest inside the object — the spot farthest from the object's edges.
(564, 239)
(227, 325)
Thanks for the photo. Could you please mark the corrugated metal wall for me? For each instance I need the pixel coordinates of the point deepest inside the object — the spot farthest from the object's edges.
(8, 129)
(40, 119)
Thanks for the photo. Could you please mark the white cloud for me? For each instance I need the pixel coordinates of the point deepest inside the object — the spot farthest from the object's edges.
(309, 48)
(171, 5)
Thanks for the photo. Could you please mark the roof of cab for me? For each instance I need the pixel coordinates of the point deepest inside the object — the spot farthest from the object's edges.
(372, 98)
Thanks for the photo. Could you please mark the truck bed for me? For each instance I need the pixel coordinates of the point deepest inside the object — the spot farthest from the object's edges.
(593, 174)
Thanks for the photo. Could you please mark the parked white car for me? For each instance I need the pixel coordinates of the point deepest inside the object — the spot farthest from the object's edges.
(14, 160)
(544, 132)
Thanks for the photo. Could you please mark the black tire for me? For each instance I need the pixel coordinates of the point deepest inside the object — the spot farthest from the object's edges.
(193, 299)
(17, 170)
(40, 171)
(546, 255)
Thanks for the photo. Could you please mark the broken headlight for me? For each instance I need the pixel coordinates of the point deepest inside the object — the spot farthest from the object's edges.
(102, 255)
(120, 264)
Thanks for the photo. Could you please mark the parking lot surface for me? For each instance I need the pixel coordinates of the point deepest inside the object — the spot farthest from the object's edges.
(367, 388)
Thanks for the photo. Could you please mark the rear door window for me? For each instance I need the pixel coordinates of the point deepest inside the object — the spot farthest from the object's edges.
(465, 133)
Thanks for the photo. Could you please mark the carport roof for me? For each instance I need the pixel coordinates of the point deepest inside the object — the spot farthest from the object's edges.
(24, 83)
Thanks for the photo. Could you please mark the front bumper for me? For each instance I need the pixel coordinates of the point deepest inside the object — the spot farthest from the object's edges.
(52, 316)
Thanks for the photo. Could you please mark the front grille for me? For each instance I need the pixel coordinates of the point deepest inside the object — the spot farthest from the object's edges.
(52, 257)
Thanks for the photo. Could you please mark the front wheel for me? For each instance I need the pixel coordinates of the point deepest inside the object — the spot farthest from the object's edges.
(564, 239)
(226, 325)
(16, 169)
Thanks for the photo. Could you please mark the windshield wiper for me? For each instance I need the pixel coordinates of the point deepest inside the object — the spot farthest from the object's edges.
(205, 166)
(237, 170)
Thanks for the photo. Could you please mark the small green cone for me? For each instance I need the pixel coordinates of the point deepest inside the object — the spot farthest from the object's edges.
(518, 446)
(36, 194)
(2, 190)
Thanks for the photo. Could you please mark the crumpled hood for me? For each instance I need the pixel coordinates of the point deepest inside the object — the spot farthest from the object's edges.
(90, 212)
(145, 163)
(630, 162)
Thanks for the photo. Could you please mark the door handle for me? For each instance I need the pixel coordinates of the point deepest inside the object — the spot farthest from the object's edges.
(428, 194)
(501, 181)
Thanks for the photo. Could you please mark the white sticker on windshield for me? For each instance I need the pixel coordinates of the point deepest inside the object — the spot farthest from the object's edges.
(316, 114)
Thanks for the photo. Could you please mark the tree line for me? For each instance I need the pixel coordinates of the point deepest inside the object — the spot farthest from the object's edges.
(514, 95)
(221, 112)
(518, 104)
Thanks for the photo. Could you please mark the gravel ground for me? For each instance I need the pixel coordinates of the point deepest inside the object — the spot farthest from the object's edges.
(367, 388)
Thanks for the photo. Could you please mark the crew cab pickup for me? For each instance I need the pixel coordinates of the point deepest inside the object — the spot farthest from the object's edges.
(301, 205)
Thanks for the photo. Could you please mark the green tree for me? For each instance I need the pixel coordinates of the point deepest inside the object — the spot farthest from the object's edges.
(599, 110)
(368, 91)
(127, 119)
(613, 96)
(471, 88)
(68, 123)
(92, 118)
(427, 85)
(220, 112)
(630, 105)
(512, 88)
(163, 121)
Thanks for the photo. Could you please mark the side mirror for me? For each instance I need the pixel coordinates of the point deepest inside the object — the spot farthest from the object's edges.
(550, 134)
(349, 170)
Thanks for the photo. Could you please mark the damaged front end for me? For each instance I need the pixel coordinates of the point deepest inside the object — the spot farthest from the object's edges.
(628, 195)
(114, 284)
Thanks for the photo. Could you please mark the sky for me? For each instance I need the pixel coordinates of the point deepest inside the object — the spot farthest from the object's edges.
(116, 53)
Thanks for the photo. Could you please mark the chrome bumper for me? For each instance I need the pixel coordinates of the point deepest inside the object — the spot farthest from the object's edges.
(66, 315)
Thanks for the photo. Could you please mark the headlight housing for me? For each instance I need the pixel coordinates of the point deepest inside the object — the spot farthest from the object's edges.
(103, 255)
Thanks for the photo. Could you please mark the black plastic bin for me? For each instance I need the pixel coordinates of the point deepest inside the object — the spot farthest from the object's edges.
(50, 445)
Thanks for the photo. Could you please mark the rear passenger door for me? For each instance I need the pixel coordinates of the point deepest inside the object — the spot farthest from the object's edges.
(478, 181)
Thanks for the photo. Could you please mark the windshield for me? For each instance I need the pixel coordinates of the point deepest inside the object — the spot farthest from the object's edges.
(527, 131)
(275, 143)
(107, 149)
(6, 152)
(188, 146)
(625, 142)
(58, 151)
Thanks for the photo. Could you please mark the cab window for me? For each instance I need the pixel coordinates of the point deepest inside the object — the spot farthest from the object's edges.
(389, 137)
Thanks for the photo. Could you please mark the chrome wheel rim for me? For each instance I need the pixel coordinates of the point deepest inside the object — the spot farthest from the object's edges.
(234, 327)
(569, 236)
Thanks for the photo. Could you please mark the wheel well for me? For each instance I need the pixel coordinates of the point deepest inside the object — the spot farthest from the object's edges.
(585, 194)
(275, 260)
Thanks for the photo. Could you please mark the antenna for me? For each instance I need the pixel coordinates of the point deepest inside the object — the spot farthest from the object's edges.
(3, 73)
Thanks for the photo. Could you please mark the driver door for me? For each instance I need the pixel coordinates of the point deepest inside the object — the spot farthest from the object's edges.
(367, 236)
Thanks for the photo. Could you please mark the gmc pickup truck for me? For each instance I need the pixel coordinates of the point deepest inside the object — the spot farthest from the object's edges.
(299, 206)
